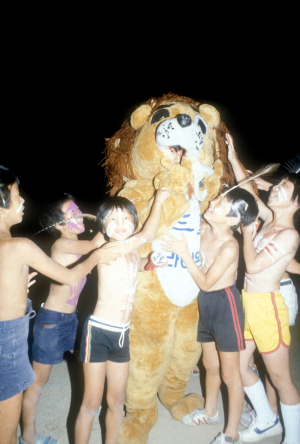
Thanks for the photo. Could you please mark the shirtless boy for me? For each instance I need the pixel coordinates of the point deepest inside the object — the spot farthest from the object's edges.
(221, 321)
(104, 348)
(16, 256)
(288, 291)
(266, 314)
(56, 322)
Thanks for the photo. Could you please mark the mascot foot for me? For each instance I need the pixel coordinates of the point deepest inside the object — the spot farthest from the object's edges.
(135, 429)
(186, 405)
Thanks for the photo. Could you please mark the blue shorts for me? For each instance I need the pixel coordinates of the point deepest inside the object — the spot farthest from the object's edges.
(49, 344)
(16, 373)
(104, 341)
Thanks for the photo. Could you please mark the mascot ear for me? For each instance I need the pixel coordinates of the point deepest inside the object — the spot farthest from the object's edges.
(139, 116)
(210, 115)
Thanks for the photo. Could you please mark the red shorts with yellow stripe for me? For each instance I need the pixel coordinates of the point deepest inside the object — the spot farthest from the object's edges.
(266, 321)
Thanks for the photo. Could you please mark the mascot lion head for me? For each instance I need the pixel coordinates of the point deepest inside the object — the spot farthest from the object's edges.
(175, 127)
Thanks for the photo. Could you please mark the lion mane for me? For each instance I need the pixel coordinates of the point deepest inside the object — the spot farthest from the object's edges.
(117, 154)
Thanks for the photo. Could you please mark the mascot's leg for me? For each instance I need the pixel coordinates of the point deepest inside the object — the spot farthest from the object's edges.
(151, 343)
(185, 355)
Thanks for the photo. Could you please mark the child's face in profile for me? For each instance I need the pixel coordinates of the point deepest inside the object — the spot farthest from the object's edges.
(220, 207)
(283, 192)
(16, 203)
(75, 225)
(119, 224)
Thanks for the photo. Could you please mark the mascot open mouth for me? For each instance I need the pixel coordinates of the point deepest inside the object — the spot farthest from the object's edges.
(177, 153)
(181, 133)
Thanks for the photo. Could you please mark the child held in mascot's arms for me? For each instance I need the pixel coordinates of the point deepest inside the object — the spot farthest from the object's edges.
(104, 348)
(268, 256)
(221, 322)
(16, 256)
(56, 323)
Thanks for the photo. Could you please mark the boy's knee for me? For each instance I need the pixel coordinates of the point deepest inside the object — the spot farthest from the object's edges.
(278, 381)
(90, 409)
(231, 379)
(213, 367)
(116, 402)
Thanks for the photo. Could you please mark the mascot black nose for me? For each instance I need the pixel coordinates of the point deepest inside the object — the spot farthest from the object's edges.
(184, 120)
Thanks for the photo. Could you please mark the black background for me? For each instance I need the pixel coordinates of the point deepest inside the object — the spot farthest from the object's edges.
(69, 87)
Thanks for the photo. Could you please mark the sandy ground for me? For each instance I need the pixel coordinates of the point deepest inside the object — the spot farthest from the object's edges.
(60, 401)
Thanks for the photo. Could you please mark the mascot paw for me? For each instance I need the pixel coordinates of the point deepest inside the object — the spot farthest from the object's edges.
(186, 405)
(176, 177)
(134, 430)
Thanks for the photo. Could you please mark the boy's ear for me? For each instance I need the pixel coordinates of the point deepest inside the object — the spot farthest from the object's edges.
(232, 220)
(59, 227)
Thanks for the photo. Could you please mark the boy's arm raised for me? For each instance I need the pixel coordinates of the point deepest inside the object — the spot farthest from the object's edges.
(283, 245)
(31, 255)
(239, 173)
(73, 246)
(147, 234)
(226, 256)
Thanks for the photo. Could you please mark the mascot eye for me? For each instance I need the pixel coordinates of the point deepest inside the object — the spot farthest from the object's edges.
(160, 114)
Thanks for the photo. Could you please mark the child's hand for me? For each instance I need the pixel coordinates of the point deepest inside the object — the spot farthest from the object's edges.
(175, 245)
(30, 282)
(249, 229)
(231, 151)
(262, 184)
(109, 253)
(162, 194)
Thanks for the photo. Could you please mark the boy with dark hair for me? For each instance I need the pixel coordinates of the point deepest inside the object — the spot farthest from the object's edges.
(16, 256)
(56, 323)
(104, 348)
(221, 322)
(266, 314)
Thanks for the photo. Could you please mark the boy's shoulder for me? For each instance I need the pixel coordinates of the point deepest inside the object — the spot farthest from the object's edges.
(12, 245)
(281, 232)
(230, 244)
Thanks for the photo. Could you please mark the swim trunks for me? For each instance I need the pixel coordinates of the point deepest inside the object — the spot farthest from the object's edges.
(221, 319)
(266, 320)
(49, 344)
(288, 291)
(104, 340)
(16, 373)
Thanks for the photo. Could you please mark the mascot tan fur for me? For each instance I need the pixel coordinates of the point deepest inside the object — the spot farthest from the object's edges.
(175, 142)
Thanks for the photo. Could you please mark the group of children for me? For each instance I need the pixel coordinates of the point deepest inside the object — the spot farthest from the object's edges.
(229, 328)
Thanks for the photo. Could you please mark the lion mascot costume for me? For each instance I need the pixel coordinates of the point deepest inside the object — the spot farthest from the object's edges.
(174, 142)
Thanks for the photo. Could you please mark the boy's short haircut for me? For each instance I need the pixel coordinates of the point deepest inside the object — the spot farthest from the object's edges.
(295, 179)
(7, 179)
(243, 206)
(52, 213)
(110, 204)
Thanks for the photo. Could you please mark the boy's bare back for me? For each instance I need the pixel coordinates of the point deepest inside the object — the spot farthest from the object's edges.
(13, 277)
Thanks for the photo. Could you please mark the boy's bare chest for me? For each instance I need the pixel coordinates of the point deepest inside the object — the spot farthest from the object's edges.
(208, 252)
(122, 273)
(65, 259)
